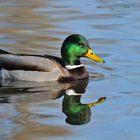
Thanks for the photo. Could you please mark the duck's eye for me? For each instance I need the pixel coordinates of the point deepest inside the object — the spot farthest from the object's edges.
(81, 44)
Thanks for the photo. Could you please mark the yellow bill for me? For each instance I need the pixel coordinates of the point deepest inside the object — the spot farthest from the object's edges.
(100, 100)
(93, 56)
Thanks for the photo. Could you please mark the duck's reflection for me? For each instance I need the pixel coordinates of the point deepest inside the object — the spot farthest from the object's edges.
(76, 112)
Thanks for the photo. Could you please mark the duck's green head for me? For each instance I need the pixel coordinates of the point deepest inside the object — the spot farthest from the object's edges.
(76, 46)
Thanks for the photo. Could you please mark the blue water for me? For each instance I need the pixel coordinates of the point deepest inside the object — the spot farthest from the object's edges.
(27, 110)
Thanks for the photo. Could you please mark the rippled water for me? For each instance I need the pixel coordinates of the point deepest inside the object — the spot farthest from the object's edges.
(33, 111)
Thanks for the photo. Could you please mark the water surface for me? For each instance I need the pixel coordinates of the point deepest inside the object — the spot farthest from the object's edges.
(33, 111)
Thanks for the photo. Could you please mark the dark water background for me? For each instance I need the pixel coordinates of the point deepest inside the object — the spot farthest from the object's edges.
(40, 26)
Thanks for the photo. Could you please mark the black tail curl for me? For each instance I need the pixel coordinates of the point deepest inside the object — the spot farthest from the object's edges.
(3, 52)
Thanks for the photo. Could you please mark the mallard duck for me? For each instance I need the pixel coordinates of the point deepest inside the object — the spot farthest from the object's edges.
(46, 67)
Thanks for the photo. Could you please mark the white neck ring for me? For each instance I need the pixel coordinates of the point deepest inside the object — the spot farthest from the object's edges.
(70, 67)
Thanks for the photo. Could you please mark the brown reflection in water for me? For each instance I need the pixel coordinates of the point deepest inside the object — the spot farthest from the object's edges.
(35, 131)
(25, 29)
(26, 96)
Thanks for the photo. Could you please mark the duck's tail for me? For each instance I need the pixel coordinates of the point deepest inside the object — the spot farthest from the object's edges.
(3, 52)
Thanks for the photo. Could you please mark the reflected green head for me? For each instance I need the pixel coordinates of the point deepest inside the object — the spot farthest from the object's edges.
(74, 47)
(76, 112)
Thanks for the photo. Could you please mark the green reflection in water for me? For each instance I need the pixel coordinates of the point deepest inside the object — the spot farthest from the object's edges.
(76, 112)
